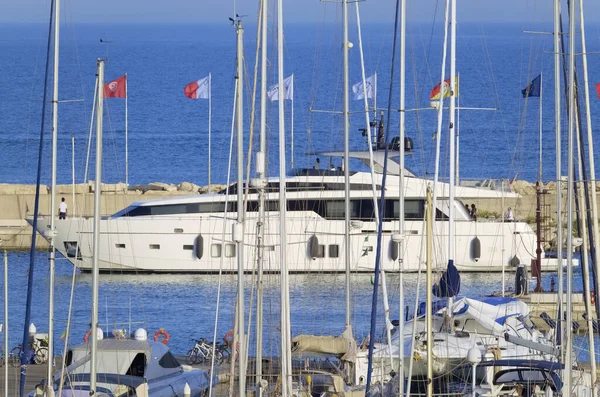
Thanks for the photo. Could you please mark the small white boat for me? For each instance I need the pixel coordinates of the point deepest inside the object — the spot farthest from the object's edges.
(129, 367)
(496, 326)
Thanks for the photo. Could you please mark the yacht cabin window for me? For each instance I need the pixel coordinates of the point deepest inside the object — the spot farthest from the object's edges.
(215, 250)
(334, 251)
(360, 208)
(168, 361)
(137, 365)
(229, 250)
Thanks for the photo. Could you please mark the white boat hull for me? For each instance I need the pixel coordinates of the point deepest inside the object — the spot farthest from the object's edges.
(169, 244)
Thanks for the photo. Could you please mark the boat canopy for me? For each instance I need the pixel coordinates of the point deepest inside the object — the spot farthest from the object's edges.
(497, 315)
(341, 346)
(126, 357)
(527, 371)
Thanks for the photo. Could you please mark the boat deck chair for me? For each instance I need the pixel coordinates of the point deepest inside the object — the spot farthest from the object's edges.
(594, 322)
(548, 320)
(574, 324)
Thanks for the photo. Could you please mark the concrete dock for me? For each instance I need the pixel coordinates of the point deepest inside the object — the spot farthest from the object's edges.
(544, 310)
(36, 373)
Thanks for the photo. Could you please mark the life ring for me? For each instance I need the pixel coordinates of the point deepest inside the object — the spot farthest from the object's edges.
(86, 337)
(165, 335)
(228, 338)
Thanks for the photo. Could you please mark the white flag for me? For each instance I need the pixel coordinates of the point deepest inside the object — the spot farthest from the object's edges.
(288, 83)
(359, 91)
(203, 91)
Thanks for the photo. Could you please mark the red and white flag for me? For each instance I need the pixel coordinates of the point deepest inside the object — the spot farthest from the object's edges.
(116, 88)
(198, 89)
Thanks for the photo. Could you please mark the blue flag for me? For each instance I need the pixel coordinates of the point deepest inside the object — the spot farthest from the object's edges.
(534, 88)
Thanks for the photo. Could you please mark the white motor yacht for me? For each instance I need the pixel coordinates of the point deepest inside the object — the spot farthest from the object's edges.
(193, 234)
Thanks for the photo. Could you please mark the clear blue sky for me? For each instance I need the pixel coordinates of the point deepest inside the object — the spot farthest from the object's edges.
(202, 11)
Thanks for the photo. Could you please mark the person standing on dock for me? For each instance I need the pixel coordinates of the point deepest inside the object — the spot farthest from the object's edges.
(62, 209)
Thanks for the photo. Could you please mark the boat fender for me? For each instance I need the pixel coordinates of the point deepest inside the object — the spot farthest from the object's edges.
(86, 337)
(228, 338)
(514, 261)
(520, 281)
(313, 247)
(408, 144)
(165, 336)
(199, 246)
(394, 250)
(475, 249)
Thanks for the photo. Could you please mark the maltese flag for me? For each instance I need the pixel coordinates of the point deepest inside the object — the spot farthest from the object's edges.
(198, 89)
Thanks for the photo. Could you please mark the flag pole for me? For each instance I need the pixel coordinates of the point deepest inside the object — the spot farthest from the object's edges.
(209, 123)
(73, 171)
(375, 111)
(126, 136)
(541, 89)
(375, 101)
(89, 148)
(292, 128)
(457, 166)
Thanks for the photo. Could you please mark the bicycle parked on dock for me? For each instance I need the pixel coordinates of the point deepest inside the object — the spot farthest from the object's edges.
(39, 351)
(203, 351)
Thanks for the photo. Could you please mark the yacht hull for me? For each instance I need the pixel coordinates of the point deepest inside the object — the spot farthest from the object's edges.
(204, 244)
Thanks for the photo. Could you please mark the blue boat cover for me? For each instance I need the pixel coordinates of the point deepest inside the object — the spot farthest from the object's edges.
(449, 284)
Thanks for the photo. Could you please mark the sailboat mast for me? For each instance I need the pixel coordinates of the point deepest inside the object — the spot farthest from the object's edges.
(261, 166)
(452, 137)
(594, 200)
(96, 230)
(6, 392)
(286, 336)
(346, 165)
(36, 207)
(429, 298)
(557, 129)
(592, 182)
(440, 112)
(49, 382)
(571, 114)
(239, 226)
(401, 194)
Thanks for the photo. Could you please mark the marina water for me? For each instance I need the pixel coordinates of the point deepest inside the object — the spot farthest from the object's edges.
(184, 305)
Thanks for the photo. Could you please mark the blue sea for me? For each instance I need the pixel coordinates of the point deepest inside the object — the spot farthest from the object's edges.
(168, 133)
(168, 142)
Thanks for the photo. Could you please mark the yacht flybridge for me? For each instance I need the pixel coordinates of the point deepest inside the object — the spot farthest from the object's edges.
(193, 234)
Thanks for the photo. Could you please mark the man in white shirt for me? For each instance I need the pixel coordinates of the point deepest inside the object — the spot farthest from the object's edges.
(508, 216)
(62, 209)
